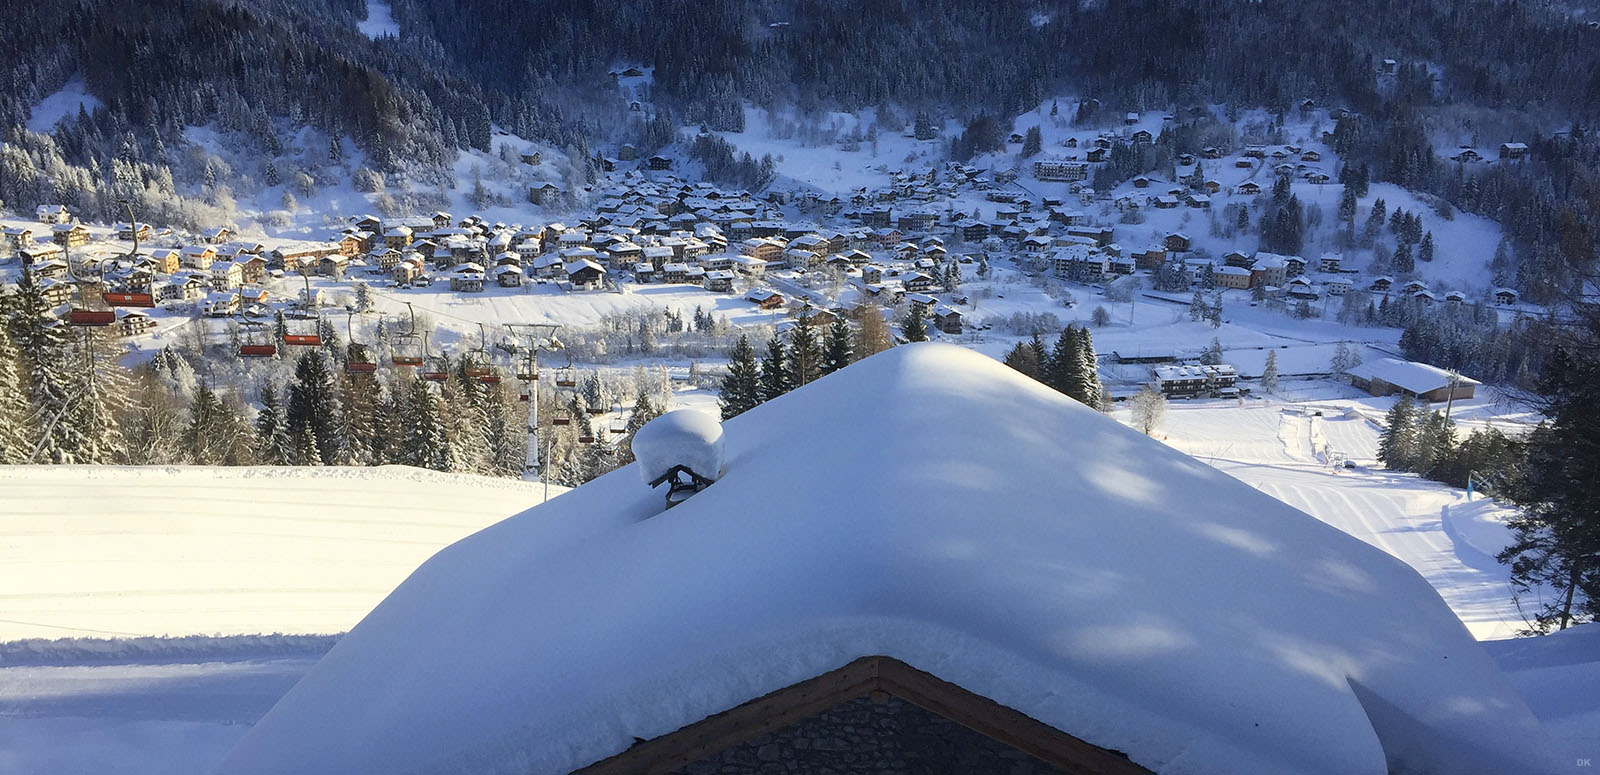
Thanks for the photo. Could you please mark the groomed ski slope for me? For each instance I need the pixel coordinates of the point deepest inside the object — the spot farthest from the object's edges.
(1289, 452)
(122, 551)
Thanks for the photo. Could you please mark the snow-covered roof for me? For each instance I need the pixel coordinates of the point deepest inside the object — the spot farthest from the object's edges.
(1015, 543)
(1410, 375)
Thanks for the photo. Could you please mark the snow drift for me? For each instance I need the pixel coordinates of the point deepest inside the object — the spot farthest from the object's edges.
(931, 505)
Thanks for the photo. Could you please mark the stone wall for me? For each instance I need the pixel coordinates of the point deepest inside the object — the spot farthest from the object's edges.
(882, 738)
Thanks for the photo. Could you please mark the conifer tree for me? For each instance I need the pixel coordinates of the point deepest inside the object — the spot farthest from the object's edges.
(1425, 249)
(1089, 379)
(1269, 373)
(274, 444)
(15, 414)
(1023, 358)
(1396, 446)
(47, 373)
(741, 388)
(1064, 369)
(805, 354)
(422, 440)
(775, 370)
(314, 412)
(836, 350)
(915, 328)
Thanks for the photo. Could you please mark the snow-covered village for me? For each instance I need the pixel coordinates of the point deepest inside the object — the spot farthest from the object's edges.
(376, 399)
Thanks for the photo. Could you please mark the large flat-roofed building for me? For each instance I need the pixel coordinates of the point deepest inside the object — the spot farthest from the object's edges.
(1391, 376)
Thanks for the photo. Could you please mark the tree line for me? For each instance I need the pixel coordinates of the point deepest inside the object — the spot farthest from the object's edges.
(1071, 367)
(798, 357)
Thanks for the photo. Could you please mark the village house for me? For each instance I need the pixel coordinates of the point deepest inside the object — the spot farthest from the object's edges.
(1299, 288)
(467, 279)
(221, 305)
(947, 319)
(55, 291)
(1248, 188)
(1380, 284)
(584, 274)
(765, 298)
(52, 214)
(1177, 242)
(719, 281)
(1513, 151)
(917, 281)
(199, 257)
(70, 235)
(508, 276)
(39, 253)
(126, 231)
(1329, 262)
(226, 275)
(1236, 277)
(1505, 296)
(131, 322)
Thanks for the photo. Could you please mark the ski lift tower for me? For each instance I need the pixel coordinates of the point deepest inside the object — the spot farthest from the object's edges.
(539, 336)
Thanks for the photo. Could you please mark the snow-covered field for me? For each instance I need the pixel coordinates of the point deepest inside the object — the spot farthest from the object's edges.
(123, 552)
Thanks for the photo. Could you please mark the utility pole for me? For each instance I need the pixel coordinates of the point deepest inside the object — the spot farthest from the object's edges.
(1455, 378)
(538, 335)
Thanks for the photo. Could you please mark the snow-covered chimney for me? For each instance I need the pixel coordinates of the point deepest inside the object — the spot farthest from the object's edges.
(682, 449)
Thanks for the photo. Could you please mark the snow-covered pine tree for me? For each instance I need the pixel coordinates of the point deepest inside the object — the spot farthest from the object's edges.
(274, 444)
(836, 350)
(775, 370)
(217, 435)
(15, 411)
(805, 354)
(1269, 372)
(46, 360)
(466, 415)
(1064, 368)
(307, 451)
(1340, 362)
(507, 452)
(741, 388)
(915, 327)
(356, 397)
(1023, 358)
(422, 440)
(1397, 444)
(313, 406)
(1090, 378)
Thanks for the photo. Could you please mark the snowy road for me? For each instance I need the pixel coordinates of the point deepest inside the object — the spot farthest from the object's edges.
(134, 718)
